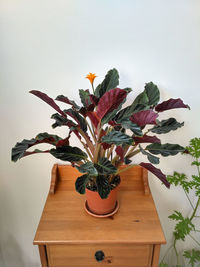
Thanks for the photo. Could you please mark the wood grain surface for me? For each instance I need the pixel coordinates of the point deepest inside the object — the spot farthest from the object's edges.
(156, 254)
(43, 255)
(116, 255)
(64, 220)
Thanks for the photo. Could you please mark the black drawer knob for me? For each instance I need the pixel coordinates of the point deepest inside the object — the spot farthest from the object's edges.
(99, 255)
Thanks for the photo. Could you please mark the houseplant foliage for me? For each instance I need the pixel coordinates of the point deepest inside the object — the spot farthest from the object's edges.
(187, 226)
(110, 133)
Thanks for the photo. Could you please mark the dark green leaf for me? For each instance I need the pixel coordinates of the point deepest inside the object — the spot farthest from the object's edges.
(142, 98)
(48, 138)
(128, 90)
(66, 100)
(165, 149)
(85, 97)
(127, 160)
(104, 166)
(81, 183)
(111, 115)
(128, 124)
(183, 227)
(142, 102)
(130, 110)
(68, 153)
(166, 126)
(152, 93)
(20, 148)
(111, 81)
(117, 138)
(62, 121)
(89, 168)
(78, 118)
(103, 186)
(151, 158)
(150, 96)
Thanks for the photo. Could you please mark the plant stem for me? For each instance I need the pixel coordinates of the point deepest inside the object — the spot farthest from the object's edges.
(198, 167)
(96, 155)
(133, 153)
(130, 151)
(103, 153)
(177, 257)
(147, 131)
(98, 145)
(110, 151)
(89, 143)
(198, 201)
(195, 209)
(92, 133)
(116, 157)
(84, 145)
(93, 88)
(123, 170)
(126, 149)
(188, 199)
(80, 162)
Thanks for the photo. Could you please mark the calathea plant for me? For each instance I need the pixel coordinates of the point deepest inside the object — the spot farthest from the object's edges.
(110, 134)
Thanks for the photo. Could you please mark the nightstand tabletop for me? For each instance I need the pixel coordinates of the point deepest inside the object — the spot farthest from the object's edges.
(64, 220)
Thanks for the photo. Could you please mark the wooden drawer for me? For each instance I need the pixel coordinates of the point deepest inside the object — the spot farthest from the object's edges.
(83, 255)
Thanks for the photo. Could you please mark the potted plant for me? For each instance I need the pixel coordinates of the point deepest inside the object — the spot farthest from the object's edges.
(110, 134)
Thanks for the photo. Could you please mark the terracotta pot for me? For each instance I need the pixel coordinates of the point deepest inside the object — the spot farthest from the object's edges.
(100, 206)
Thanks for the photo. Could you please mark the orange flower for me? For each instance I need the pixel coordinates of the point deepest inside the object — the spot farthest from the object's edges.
(91, 77)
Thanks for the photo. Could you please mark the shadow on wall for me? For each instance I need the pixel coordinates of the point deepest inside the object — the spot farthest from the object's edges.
(14, 254)
(2, 262)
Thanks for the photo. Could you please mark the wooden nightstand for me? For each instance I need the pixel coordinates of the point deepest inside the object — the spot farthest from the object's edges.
(68, 237)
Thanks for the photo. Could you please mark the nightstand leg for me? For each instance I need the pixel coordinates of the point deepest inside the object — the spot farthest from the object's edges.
(156, 254)
(43, 255)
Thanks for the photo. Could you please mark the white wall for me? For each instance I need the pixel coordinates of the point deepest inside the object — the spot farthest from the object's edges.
(51, 46)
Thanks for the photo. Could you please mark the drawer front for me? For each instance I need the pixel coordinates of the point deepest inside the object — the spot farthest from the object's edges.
(83, 255)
